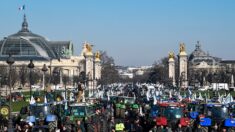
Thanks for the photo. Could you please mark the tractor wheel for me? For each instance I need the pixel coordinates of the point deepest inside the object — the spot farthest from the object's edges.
(52, 125)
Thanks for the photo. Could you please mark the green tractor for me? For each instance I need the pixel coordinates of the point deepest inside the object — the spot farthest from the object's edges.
(79, 111)
(123, 103)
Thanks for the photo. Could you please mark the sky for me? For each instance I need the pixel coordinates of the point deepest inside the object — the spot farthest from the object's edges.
(133, 32)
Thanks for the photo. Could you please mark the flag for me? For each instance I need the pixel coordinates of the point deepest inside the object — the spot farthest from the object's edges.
(189, 92)
(22, 8)
(32, 100)
(228, 99)
(45, 99)
(200, 97)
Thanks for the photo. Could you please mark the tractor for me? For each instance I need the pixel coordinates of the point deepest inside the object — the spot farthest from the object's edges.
(220, 115)
(172, 114)
(42, 117)
(82, 110)
(124, 103)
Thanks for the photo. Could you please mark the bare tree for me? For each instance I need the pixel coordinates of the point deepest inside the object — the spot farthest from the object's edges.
(14, 76)
(109, 74)
(23, 74)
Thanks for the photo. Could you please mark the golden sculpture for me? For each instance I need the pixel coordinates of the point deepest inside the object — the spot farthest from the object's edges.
(171, 55)
(97, 55)
(182, 47)
(89, 48)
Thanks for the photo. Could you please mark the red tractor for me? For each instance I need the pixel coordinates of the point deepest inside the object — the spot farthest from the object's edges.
(172, 114)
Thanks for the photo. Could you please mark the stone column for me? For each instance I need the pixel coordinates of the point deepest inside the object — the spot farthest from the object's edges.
(171, 66)
(89, 64)
(97, 68)
(183, 67)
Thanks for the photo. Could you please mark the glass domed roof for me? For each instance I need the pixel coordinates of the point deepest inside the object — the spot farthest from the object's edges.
(198, 52)
(26, 44)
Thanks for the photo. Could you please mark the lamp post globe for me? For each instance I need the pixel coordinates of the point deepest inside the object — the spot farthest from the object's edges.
(31, 65)
(1, 80)
(10, 61)
(44, 69)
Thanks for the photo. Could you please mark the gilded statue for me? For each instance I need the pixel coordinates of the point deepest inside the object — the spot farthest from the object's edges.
(171, 55)
(182, 47)
(89, 47)
(97, 55)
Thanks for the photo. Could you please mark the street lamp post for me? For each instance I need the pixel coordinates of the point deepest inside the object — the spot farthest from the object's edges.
(55, 74)
(10, 61)
(30, 66)
(1, 83)
(5, 83)
(44, 69)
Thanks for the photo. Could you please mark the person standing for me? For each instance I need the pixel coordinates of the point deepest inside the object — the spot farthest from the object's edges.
(79, 127)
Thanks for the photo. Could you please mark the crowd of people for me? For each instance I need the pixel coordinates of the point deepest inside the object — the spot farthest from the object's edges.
(107, 119)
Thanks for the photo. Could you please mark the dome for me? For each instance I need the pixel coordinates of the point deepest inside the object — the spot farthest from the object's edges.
(198, 52)
(25, 45)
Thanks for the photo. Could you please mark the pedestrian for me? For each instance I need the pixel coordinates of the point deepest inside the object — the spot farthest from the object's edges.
(154, 129)
(111, 124)
(215, 128)
(18, 128)
(188, 128)
(67, 127)
(26, 128)
(160, 129)
(179, 128)
(79, 126)
(128, 125)
(119, 127)
(139, 128)
(168, 129)
(199, 128)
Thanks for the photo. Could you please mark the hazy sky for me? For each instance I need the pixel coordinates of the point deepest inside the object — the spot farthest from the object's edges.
(133, 32)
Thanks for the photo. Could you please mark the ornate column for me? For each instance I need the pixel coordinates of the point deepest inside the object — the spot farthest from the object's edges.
(97, 68)
(183, 67)
(89, 64)
(171, 66)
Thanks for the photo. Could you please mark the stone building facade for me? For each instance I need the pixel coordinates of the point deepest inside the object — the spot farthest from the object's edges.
(25, 46)
(200, 67)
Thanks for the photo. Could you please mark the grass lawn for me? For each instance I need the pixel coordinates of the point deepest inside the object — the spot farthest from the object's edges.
(16, 106)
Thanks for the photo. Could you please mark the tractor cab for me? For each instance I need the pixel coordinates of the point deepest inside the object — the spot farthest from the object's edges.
(81, 110)
(195, 109)
(173, 113)
(41, 115)
(217, 112)
(220, 114)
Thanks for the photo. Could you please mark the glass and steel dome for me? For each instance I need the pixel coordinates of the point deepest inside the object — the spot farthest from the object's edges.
(198, 55)
(26, 45)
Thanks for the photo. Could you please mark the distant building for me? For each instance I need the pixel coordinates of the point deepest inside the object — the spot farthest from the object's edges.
(25, 45)
(201, 63)
(199, 59)
(130, 72)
